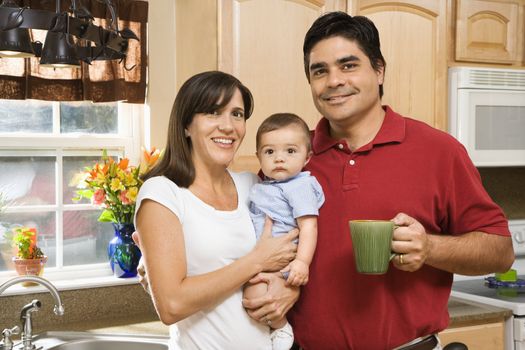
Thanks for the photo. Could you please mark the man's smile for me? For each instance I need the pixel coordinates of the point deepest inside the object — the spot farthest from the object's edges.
(337, 97)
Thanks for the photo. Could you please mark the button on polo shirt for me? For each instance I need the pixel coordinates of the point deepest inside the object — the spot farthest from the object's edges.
(351, 174)
(351, 170)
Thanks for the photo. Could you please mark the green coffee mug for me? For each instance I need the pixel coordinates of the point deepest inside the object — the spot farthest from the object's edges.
(371, 243)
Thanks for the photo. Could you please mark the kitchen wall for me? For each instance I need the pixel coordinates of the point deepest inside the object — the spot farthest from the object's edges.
(161, 69)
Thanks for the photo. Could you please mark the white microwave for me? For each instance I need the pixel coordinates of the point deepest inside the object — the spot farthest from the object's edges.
(487, 114)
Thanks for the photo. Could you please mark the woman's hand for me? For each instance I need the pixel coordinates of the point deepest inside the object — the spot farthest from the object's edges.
(274, 305)
(141, 269)
(276, 252)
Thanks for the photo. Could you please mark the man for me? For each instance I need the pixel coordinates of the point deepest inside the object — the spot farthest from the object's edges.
(376, 164)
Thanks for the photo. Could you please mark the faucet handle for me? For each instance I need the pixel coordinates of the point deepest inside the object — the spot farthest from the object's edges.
(7, 343)
(15, 330)
(9, 332)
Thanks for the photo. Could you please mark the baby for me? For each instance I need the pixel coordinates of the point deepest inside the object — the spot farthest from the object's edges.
(290, 197)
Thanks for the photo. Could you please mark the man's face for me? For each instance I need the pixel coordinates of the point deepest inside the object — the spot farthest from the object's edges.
(344, 85)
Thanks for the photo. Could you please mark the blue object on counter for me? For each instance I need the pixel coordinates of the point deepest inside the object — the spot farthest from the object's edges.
(492, 282)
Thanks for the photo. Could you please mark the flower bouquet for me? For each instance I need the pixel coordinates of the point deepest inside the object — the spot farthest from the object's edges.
(114, 185)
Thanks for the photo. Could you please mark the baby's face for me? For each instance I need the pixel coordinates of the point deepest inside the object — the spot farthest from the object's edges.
(283, 153)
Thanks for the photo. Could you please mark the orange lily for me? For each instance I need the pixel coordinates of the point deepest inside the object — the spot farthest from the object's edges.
(152, 156)
(104, 169)
(123, 164)
(93, 172)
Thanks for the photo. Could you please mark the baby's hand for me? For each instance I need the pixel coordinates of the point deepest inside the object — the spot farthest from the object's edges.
(298, 273)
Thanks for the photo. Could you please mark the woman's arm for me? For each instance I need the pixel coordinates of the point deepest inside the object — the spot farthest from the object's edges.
(177, 296)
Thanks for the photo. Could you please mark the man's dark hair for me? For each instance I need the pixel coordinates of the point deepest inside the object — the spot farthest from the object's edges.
(359, 29)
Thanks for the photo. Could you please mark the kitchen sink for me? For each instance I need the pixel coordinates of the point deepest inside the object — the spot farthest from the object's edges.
(97, 341)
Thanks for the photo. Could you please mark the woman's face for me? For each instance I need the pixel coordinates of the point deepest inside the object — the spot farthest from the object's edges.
(216, 136)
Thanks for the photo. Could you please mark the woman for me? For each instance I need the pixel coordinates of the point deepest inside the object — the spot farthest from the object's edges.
(196, 235)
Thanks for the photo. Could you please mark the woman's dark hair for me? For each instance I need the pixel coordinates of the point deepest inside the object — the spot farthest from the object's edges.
(280, 120)
(203, 93)
(358, 28)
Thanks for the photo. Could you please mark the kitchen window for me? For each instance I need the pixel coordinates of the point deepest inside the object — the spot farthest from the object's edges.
(44, 146)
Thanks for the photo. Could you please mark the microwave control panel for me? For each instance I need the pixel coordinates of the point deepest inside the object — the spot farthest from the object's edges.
(517, 229)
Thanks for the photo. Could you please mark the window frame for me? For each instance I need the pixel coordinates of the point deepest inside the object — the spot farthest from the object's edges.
(127, 142)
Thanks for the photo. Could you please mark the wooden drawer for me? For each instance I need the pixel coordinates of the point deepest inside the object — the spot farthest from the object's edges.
(489, 336)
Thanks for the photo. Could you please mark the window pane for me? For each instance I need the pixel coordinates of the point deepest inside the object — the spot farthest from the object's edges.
(88, 117)
(74, 174)
(26, 116)
(45, 224)
(28, 180)
(85, 239)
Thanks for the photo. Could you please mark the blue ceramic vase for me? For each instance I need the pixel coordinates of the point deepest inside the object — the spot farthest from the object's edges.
(123, 253)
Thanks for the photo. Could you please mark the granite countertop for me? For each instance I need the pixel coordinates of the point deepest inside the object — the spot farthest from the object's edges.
(149, 328)
(469, 313)
(132, 325)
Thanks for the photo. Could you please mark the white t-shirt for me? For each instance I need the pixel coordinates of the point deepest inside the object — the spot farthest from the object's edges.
(213, 239)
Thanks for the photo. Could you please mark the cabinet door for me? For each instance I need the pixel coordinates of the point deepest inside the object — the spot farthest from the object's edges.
(489, 31)
(488, 336)
(260, 42)
(413, 43)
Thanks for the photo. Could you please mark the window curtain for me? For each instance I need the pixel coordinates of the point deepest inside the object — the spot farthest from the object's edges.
(100, 81)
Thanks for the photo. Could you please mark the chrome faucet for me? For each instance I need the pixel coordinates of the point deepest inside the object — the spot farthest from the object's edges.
(27, 310)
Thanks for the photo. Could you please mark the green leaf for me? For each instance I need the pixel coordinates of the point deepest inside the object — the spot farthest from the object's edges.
(85, 193)
(82, 194)
(107, 216)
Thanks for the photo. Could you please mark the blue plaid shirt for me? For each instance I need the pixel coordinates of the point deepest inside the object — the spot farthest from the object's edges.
(284, 201)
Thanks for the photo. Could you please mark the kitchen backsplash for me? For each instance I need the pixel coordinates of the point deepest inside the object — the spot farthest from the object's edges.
(506, 186)
(84, 308)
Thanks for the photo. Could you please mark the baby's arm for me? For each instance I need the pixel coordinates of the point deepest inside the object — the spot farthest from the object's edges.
(298, 268)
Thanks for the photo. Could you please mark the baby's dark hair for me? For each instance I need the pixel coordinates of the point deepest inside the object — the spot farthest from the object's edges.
(280, 120)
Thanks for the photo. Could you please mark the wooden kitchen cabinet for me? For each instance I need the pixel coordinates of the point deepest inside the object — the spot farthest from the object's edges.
(490, 31)
(413, 41)
(258, 41)
(487, 336)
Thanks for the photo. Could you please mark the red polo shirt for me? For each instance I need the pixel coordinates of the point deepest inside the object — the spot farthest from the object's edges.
(409, 167)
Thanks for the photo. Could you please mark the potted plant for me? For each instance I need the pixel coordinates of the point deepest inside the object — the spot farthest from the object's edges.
(29, 258)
